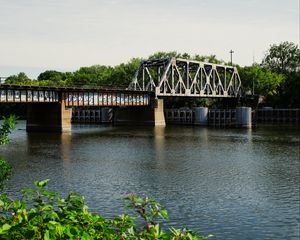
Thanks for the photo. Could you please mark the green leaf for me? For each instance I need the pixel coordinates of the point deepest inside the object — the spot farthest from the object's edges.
(164, 214)
(85, 236)
(6, 227)
(41, 184)
(46, 235)
(131, 231)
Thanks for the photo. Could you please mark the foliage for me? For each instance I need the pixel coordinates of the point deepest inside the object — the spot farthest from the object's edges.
(283, 58)
(54, 78)
(290, 90)
(45, 215)
(197, 57)
(7, 125)
(5, 172)
(122, 74)
(264, 81)
(5, 169)
(91, 76)
(20, 79)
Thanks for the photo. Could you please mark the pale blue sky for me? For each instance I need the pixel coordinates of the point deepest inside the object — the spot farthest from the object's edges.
(36, 35)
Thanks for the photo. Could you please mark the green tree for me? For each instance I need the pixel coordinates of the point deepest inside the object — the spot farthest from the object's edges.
(20, 79)
(283, 58)
(208, 58)
(264, 81)
(54, 78)
(121, 74)
(159, 55)
(96, 75)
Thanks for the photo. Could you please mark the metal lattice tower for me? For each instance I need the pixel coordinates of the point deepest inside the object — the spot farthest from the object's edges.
(188, 78)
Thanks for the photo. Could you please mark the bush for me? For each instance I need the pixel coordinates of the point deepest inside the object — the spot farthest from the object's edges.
(45, 215)
(5, 130)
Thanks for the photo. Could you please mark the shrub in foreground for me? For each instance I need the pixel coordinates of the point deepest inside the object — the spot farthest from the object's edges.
(45, 215)
(5, 129)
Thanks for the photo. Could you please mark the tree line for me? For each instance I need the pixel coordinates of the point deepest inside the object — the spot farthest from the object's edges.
(277, 76)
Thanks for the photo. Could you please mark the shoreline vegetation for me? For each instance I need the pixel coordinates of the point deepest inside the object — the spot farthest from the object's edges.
(41, 214)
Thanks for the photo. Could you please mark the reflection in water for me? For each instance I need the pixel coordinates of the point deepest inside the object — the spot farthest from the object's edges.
(65, 139)
(159, 142)
(229, 182)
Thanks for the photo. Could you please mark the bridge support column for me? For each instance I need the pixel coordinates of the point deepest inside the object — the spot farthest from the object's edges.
(201, 116)
(244, 117)
(152, 116)
(159, 116)
(48, 117)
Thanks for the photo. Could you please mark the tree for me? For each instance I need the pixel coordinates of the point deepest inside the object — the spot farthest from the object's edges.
(208, 58)
(264, 81)
(122, 74)
(51, 77)
(283, 58)
(96, 75)
(159, 55)
(20, 79)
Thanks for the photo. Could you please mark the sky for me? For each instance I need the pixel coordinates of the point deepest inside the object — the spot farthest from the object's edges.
(65, 35)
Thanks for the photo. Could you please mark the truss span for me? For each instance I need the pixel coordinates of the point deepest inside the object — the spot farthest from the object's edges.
(188, 78)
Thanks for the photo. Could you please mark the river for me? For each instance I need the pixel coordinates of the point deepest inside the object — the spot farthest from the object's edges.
(232, 183)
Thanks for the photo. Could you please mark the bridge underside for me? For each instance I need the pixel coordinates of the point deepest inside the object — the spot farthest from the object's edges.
(55, 117)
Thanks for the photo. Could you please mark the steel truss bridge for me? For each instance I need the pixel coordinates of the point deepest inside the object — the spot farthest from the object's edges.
(73, 96)
(187, 78)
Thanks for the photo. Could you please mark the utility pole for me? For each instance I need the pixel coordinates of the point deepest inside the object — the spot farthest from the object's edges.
(231, 52)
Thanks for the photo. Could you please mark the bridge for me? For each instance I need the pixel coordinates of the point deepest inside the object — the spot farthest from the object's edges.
(50, 108)
(181, 77)
(71, 97)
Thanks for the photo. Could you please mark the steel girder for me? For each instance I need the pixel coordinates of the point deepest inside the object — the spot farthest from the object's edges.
(187, 78)
(74, 96)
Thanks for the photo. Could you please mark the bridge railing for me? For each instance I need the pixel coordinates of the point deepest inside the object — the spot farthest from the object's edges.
(14, 96)
(106, 99)
(74, 96)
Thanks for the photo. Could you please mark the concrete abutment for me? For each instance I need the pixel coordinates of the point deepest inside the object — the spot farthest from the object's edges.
(152, 115)
(48, 117)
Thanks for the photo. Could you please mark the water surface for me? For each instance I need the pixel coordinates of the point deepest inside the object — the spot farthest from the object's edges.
(235, 184)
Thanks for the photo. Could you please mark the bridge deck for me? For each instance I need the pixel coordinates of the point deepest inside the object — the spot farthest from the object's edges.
(74, 96)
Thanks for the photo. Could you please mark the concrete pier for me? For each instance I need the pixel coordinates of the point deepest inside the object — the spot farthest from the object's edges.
(48, 117)
(201, 116)
(244, 117)
(159, 116)
(152, 116)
